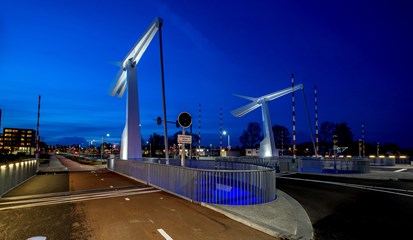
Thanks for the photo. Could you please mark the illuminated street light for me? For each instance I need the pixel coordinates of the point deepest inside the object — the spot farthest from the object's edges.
(226, 133)
(150, 148)
(101, 149)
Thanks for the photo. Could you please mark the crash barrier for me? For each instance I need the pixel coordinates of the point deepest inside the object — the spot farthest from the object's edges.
(205, 181)
(12, 174)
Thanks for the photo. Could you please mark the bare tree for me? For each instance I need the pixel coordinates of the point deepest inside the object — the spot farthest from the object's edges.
(281, 136)
(252, 136)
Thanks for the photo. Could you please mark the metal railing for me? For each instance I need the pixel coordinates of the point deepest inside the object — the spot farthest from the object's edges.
(206, 181)
(307, 164)
(12, 174)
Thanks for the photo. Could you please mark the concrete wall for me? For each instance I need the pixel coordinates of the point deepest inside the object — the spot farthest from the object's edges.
(13, 174)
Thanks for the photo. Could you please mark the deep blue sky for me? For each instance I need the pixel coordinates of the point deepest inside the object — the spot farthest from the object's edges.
(359, 53)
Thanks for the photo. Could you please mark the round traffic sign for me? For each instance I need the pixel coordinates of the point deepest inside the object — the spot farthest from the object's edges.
(184, 119)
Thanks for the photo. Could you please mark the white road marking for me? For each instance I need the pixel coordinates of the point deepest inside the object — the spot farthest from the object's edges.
(150, 220)
(127, 199)
(395, 191)
(72, 198)
(401, 170)
(164, 234)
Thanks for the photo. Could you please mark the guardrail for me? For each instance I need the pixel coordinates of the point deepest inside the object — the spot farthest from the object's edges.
(206, 181)
(307, 164)
(13, 174)
(334, 165)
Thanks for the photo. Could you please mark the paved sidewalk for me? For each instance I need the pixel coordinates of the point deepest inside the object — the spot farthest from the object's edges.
(283, 218)
(59, 163)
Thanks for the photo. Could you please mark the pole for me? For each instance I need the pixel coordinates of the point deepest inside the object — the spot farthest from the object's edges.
(282, 142)
(362, 138)
(316, 120)
(220, 130)
(199, 130)
(293, 112)
(37, 130)
(101, 150)
(183, 150)
(378, 147)
(229, 143)
(165, 128)
(190, 145)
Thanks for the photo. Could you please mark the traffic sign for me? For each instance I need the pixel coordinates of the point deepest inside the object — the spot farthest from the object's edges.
(185, 139)
(184, 119)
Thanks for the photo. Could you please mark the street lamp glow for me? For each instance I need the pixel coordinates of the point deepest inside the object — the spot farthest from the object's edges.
(101, 149)
(226, 133)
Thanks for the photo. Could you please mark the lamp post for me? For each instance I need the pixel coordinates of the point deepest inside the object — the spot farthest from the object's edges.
(101, 149)
(229, 145)
(150, 148)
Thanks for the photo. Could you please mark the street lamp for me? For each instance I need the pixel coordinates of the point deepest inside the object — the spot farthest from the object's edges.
(101, 149)
(229, 145)
(150, 148)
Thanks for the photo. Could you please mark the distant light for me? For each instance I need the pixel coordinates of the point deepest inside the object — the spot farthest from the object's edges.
(3, 167)
(392, 156)
(349, 156)
(11, 165)
(372, 156)
(381, 156)
(403, 157)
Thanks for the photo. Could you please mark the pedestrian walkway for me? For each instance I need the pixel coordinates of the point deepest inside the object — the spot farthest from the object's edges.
(59, 163)
(54, 165)
(282, 218)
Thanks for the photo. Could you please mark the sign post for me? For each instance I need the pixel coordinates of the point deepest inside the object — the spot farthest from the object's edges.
(185, 120)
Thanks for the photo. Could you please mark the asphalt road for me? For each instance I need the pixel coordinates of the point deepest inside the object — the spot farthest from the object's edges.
(103, 205)
(353, 208)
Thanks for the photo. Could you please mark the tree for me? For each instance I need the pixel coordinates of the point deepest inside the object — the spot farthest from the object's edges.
(281, 136)
(344, 134)
(252, 136)
(156, 141)
(326, 132)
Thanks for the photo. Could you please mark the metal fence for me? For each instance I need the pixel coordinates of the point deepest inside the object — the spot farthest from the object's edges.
(13, 174)
(206, 181)
(382, 161)
(307, 164)
(334, 165)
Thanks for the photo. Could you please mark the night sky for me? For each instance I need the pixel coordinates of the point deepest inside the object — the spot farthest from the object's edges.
(358, 53)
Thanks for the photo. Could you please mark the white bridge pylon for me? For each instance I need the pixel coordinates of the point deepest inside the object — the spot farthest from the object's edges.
(267, 145)
(131, 146)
